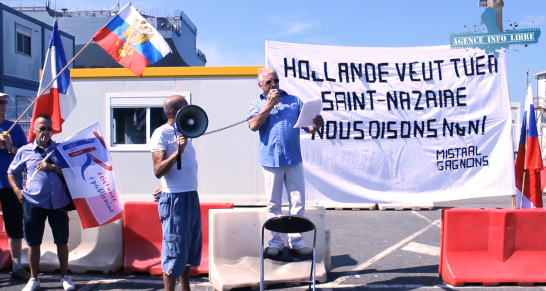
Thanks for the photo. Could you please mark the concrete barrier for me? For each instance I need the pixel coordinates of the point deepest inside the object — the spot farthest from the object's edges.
(235, 237)
(347, 206)
(203, 268)
(327, 252)
(93, 249)
(405, 206)
(143, 237)
(492, 246)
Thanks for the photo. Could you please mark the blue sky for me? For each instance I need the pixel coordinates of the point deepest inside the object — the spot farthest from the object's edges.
(233, 33)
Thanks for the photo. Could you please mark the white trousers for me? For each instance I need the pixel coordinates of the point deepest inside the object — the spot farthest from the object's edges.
(292, 178)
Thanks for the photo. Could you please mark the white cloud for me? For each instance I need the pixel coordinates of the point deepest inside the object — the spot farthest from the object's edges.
(324, 40)
(218, 55)
(530, 20)
(296, 27)
(291, 24)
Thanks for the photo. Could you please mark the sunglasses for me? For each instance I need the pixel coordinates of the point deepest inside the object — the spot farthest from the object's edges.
(44, 128)
(274, 80)
(2, 102)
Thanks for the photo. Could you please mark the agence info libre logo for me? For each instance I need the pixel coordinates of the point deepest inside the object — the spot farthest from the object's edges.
(494, 40)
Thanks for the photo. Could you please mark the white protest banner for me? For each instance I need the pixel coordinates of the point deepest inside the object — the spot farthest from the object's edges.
(87, 168)
(402, 125)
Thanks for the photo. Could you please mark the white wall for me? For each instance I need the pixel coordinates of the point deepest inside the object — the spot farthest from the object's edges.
(228, 161)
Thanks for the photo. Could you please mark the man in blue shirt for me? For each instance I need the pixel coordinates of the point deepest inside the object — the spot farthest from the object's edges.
(274, 114)
(44, 198)
(12, 209)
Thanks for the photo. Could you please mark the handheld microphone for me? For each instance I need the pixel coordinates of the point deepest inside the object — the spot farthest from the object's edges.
(273, 91)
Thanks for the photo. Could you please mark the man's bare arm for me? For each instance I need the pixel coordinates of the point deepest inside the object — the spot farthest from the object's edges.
(162, 163)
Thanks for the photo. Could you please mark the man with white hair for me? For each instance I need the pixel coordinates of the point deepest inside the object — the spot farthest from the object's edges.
(274, 115)
(11, 207)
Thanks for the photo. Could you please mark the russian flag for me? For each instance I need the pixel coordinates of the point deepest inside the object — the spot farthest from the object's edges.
(131, 40)
(59, 100)
(529, 159)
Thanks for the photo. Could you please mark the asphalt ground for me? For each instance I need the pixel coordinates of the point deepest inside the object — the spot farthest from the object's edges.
(384, 250)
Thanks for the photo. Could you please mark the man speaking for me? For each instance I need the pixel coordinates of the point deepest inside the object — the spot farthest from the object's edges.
(274, 114)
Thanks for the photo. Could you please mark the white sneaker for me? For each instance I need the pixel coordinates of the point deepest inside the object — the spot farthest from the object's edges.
(33, 284)
(67, 283)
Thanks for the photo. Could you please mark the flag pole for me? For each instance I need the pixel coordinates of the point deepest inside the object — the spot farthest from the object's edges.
(525, 160)
(523, 184)
(48, 85)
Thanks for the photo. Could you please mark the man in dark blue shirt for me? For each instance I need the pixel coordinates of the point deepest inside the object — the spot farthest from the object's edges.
(12, 209)
(274, 114)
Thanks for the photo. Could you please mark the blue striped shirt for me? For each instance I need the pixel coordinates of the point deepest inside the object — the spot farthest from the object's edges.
(45, 189)
(279, 140)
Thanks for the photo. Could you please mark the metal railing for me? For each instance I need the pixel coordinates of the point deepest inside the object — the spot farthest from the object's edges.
(188, 22)
(539, 102)
(202, 55)
(175, 18)
(25, 125)
(24, 4)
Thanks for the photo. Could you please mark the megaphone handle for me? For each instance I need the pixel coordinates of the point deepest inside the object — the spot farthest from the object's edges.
(179, 160)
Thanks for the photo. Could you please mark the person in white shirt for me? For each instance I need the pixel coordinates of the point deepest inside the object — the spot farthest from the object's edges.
(178, 207)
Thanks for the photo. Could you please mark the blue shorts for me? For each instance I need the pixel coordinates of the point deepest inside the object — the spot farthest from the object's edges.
(34, 224)
(180, 217)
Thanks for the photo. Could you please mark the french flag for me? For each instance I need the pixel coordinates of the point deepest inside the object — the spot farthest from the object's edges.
(59, 100)
(131, 40)
(529, 159)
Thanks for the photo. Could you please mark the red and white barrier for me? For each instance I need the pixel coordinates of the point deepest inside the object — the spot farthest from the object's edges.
(492, 246)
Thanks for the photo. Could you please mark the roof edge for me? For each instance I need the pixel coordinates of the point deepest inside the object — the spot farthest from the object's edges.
(166, 72)
(539, 73)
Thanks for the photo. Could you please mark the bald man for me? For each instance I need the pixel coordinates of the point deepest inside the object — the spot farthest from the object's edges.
(178, 202)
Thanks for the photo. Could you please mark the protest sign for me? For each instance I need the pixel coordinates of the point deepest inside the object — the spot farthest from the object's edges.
(415, 124)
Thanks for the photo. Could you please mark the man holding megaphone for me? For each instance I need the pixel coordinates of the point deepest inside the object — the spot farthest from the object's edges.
(178, 202)
(274, 114)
